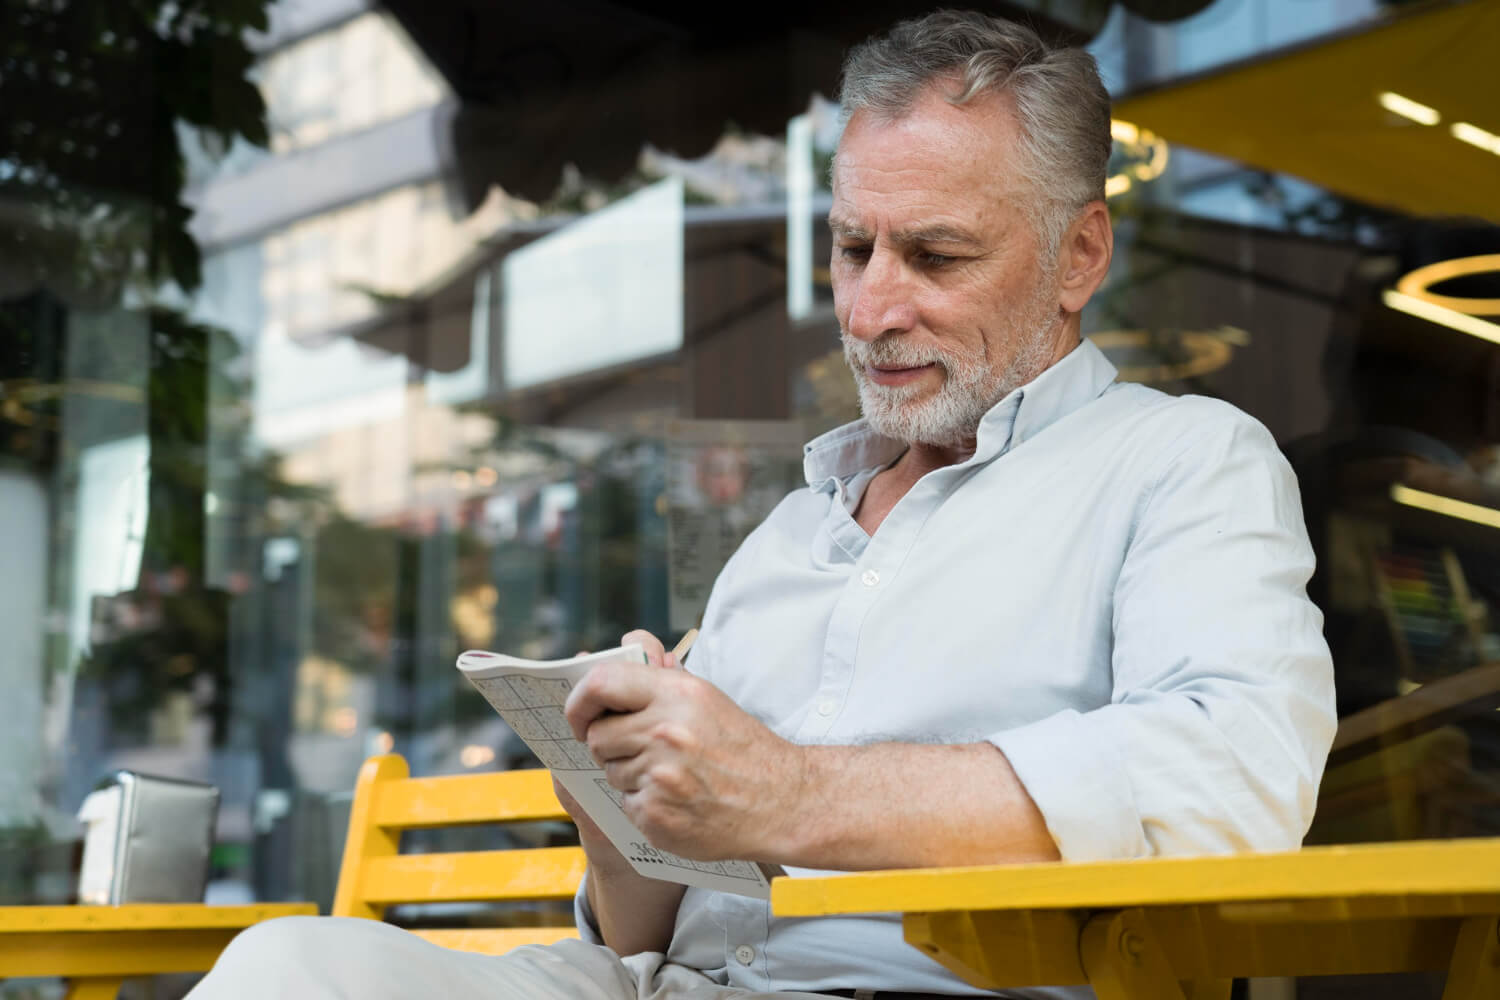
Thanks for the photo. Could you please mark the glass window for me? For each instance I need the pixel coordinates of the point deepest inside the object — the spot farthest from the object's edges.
(350, 77)
(261, 489)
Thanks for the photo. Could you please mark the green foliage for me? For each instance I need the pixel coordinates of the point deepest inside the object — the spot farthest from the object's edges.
(97, 97)
(357, 569)
(29, 332)
(91, 166)
(180, 638)
(21, 848)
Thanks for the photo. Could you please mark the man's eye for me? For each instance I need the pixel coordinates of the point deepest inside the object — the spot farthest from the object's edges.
(935, 259)
(855, 253)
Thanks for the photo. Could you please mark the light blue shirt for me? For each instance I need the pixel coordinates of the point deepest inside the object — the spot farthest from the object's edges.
(1111, 590)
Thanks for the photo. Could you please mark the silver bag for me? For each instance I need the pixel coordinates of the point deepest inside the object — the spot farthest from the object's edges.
(148, 840)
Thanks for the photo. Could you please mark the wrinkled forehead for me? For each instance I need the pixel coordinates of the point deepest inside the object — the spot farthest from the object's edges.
(938, 164)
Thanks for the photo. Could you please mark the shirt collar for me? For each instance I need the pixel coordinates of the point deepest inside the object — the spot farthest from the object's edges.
(1079, 378)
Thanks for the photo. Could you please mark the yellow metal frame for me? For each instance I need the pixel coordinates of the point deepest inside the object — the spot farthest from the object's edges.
(1183, 928)
(98, 947)
(375, 875)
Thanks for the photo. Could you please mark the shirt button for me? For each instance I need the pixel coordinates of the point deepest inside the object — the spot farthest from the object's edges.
(744, 954)
(870, 578)
(826, 706)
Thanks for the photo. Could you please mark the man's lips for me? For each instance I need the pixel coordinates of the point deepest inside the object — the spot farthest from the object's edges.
(897, 375)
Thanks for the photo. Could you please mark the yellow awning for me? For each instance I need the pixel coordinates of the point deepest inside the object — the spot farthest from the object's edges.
(1315, 112)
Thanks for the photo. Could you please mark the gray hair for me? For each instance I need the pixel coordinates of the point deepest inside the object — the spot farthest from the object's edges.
(1060, 102)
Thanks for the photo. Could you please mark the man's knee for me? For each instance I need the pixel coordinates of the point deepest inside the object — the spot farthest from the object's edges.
(327, 958)
(274, 942)
(301, 950)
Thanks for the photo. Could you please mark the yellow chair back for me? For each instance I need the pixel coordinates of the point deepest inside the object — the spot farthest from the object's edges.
(376, 875)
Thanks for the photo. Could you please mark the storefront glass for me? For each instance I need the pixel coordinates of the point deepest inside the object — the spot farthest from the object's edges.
(358, 338)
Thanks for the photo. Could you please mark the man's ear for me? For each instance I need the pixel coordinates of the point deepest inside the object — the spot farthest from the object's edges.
(1084, 257)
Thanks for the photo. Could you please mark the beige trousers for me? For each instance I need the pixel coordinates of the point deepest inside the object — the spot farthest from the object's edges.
(323, 958)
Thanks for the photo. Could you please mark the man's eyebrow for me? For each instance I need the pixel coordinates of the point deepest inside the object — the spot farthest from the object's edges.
(935, 233)
(847, 230)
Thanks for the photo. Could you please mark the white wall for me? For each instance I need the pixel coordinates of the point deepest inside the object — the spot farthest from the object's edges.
(23, 586)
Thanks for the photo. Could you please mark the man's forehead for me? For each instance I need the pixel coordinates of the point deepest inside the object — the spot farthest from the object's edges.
(930, 130)
(919, 213)
(938, 173)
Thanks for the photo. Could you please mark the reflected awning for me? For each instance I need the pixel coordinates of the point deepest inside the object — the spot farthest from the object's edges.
(574, 81)
(1315, 112)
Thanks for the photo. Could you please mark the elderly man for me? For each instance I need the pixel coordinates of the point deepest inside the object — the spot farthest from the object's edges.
(1021, 612)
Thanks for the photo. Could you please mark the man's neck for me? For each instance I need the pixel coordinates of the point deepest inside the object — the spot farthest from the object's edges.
(920, 459)
(891, 484)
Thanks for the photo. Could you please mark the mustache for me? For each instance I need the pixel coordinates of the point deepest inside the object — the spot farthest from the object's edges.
(894, 353)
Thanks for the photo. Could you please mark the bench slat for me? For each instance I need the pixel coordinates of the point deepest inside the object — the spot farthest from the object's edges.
(455, 800)
(112, 953)
(542, 873)
(144, 916)
(495, 940)
(1446, 868)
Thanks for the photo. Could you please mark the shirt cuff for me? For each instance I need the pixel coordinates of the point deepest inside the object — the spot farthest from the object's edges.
(583, 914)
(1077, 783)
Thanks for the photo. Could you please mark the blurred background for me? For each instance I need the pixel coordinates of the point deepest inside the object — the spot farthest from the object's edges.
(339, 337)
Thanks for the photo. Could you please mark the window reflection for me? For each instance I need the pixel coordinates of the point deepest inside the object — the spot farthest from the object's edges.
(352, 76)
(266, 473)
(603, 291)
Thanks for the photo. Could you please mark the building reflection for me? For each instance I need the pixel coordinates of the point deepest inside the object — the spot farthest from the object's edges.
(427, 395)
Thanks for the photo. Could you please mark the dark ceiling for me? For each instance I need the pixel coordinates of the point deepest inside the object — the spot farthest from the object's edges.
(542, 84)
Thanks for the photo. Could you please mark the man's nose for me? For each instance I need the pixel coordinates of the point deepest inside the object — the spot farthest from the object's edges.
(882, 300)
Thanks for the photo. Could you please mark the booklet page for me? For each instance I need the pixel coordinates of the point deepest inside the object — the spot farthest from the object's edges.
(529, 695)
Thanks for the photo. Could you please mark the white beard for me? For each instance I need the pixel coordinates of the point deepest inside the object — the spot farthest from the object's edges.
(950, 417)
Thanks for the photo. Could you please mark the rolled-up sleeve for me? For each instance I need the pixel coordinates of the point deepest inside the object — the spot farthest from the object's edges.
(1222, 710)
(583, 914)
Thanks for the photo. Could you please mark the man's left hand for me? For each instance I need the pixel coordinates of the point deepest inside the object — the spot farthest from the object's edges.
(701, 777)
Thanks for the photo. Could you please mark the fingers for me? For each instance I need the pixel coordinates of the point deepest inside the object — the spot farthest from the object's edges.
(610, 687)
(656, 653)
(618, 737)
(637, 774)
(625, 774)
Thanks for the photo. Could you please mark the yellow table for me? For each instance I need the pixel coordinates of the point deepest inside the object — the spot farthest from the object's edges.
(96, 947)
(1183, 928)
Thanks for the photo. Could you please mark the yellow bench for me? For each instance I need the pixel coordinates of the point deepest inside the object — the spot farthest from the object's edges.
(375, 875)
(97, 947)
(1149, 929)
(1182, 928)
